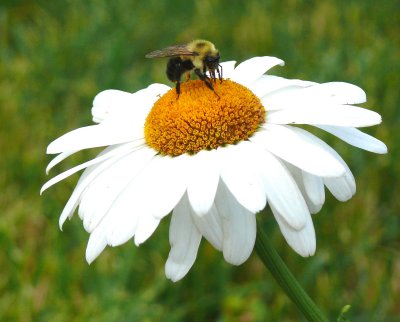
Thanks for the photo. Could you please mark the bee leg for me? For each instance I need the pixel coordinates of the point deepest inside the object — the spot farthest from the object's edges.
(205, 79)
(187, 75)
(205, 73)
(212, 73)
(219, 73)
(178, 87)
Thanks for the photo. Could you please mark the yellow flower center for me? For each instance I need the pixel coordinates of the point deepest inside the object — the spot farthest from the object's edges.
(200, 120)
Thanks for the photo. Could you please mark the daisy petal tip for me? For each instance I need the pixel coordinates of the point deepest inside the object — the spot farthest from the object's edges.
(270, 60)
(62, 220)
(137, 242)
(140, 238)
(306, 250)
(312, 252)
(89, 258)
(380, 148)
(374, 118)
(42, 189)
(117, 239)
(46, 186)
(52, 148)
(172, 278)
(95, 247)
(174, 271)
(309, 248)
(309, 254)
(383, 150)
(235, 260)
(91, 254)
(159, 215)
(362, 98)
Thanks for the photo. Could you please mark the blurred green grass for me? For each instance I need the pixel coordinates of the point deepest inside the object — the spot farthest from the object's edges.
(55, 56)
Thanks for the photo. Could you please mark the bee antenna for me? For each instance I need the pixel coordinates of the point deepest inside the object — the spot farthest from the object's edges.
(219, 73)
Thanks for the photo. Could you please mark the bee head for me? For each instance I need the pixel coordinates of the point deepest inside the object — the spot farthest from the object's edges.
(212, 61)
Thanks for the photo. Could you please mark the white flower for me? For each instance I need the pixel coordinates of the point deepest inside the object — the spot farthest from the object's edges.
(214, 161)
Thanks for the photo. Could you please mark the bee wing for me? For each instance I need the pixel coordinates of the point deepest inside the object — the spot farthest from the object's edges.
(171, 51)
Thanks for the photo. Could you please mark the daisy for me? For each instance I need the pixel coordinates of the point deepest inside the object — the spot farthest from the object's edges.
(214, 161)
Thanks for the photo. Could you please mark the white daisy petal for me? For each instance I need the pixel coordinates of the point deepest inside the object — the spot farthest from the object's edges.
(296, 94)
(307, 151)
(203, 180)
(238, 225)
(109, 102)
(145, 228)
(250, 70)
(96, 244)
(338, 92)
(115, 104)
(58, 159)
(267, 85)
(302, 241)
(110, 183)
(95, 136)
(281, 189)
(86, 178)
(244, 184)
(280, 99)
(210, 226)
(87, 202)
(356, 138)
(121, 220)
(184, 238)
(74, 199)
(156, 90)
(168, 184)
(323, 113)
(118, 150)
(137, 200)
(314, 188)
(285, 97)
(311, 186)
(144, 101)
(344, 187)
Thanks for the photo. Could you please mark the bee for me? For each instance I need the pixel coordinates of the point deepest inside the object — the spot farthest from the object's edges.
(199, 56)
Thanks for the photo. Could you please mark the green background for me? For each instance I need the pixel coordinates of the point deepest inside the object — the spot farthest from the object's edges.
(55, 56)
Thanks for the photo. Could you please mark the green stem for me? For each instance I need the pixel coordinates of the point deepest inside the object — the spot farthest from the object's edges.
(285, 278)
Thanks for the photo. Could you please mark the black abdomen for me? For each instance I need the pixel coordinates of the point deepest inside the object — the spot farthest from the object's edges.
(176, 67)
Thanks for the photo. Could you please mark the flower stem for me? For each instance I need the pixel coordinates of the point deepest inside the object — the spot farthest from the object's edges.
(285, 278)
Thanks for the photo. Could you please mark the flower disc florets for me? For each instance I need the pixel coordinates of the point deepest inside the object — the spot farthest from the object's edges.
(201, 120)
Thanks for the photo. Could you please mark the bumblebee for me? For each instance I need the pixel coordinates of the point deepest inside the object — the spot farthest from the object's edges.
(199, 56)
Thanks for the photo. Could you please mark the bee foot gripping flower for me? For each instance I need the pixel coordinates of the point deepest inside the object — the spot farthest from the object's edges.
(214, 163)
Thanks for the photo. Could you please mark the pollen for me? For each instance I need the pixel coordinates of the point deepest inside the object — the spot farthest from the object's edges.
(201, 119)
